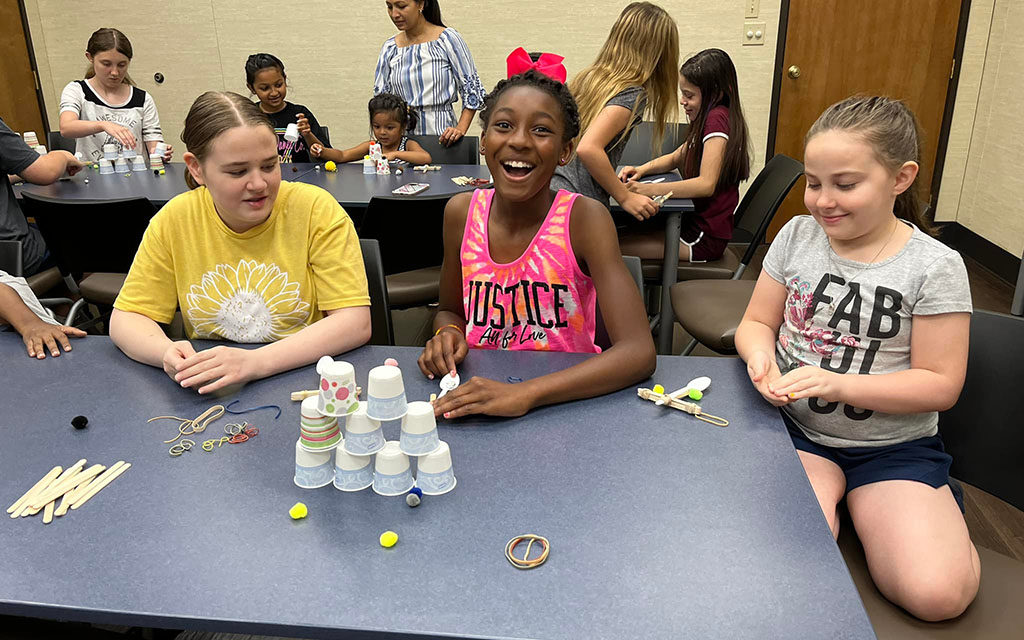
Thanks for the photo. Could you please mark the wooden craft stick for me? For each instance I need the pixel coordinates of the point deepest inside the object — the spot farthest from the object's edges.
(30, 508)
(70, 496)
(48, 513)
(675, 395)
(662, 198)
(101, 482)
(42, 484)
(67, 485)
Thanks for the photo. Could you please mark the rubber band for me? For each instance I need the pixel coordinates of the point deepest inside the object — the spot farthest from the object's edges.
(240, 411)
(235, 428)
(180, 448)
(191, 427)
(525, 562)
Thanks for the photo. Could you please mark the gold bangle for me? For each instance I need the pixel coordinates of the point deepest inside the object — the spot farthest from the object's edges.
(453, 326)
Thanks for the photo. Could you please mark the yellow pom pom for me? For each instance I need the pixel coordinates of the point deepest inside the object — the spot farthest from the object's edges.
(388, 539)
(163, 171)
(330, 166)
(299, 511)
(659, 389)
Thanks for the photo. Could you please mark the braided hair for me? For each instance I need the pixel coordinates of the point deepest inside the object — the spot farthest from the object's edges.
(537, 80)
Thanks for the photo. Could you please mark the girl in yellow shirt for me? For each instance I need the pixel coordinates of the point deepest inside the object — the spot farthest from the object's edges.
(246, 257)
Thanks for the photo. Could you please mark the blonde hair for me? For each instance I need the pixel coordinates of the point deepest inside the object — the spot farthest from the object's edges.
(642, 49)
(212, 114)
(108, 39)
(891, 129)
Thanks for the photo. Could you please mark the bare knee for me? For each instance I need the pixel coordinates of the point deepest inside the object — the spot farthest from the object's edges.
(937, 599)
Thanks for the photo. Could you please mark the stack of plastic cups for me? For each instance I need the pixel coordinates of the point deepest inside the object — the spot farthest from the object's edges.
(31, 139)
(317, 432)
(392, 475)
(156, 161)
(120, 165)
(369, 167)
(105, 166)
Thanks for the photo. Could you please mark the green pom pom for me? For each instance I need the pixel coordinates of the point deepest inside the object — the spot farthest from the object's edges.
(695, 394)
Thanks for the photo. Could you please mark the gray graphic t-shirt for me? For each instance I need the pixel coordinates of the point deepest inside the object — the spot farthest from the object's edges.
(859, 326)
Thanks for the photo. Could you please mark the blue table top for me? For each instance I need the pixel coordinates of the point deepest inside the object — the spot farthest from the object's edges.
(661, 526)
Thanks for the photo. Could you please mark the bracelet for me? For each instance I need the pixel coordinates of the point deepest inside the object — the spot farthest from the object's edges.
(453, 326)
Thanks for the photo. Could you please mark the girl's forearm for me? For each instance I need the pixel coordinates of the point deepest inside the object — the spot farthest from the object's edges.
(753, 336)
(139, 337)
(661, 164)
(412, 157)
(80, 128)
(338, 332)
(909, 391)
(596, 162)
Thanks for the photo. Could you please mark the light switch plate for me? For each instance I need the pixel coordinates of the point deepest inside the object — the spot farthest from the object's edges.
(753, 34)
(752, 8)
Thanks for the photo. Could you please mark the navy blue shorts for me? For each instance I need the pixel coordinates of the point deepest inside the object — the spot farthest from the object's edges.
(922, 460)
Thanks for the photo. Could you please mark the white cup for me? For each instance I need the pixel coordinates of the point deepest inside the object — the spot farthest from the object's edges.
(160, 149)
(392, 475)
(105, 166)
(363, 434)
(138, 164)
(434, 474)
(110, 151)
(337, 394)
(419, 430)
(352, 473)
(120, 165)
(313, 469)
(129, 154)
(31, 139)
(385, 392)
(291, 134)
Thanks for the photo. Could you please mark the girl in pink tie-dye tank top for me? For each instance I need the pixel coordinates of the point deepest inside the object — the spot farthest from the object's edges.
(540, 302)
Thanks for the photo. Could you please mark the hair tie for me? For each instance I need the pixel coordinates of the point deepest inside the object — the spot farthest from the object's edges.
(549, 64)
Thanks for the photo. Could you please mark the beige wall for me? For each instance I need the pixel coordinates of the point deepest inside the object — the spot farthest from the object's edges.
(330, 48)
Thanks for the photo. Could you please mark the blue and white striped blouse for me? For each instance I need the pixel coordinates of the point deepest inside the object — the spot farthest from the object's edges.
(430, 76)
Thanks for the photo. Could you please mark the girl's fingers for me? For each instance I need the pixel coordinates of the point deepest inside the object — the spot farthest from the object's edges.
(63, 340)
(185, 372)
(203, 377)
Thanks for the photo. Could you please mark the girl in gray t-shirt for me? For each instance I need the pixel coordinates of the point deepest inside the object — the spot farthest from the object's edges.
(858, 329)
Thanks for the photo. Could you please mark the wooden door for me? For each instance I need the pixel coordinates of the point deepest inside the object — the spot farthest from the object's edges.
(19, 103)
(902, 49)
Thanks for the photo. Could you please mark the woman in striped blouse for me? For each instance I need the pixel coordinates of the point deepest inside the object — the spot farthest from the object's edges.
(429, 65)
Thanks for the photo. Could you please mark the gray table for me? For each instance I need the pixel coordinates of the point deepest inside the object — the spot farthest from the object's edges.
(661, 526)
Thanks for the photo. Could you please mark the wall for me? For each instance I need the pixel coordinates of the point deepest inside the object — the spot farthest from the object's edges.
(330, 49)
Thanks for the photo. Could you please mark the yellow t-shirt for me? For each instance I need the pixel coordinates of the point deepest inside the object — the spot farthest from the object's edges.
(257, 286)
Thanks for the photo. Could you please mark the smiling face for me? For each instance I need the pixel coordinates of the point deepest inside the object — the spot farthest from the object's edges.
(387, 130)
(849, 192)
(406, 14)
(524, 142)
(689, 98)
(270, 87)
(241, 171)
(110, 67)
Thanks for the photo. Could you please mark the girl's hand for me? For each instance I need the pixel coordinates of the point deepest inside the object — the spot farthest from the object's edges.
(168, 153)
(763, 372)
(303, 123)
(316, 149)
(810, 382)
(44, 333)
(443, 353)
(217, 368)
(639, 206)
(119, 133)
(631, 174)
(175, 355)
(450, 136)
(484, 396)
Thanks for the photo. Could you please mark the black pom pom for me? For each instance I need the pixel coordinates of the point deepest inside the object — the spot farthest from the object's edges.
(80, 422)
(295, 169)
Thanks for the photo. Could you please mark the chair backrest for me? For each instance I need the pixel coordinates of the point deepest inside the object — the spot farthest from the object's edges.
(982, 431)
(1017, 307)
(465, 151)
(638, 148)
(762, 201)
(327, 135)
(635, 268)
(380, 313)
(56, 141)
(11, 258)
(90, 235)
(410, 230)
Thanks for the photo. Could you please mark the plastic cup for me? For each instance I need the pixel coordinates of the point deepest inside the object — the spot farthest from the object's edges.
(129, 154)
(31, 139)
(419, 430)
(138, 164)
(434, 474)
(317, 432)
(392, 475)
(41, 150)
(352, 473)
(363, 435)
(337, 395)
(156, 161)
(313, 469)
(385, 392)
(110, 151)
(160, 149)
(291, 134)
(120, 165)
(105, 166)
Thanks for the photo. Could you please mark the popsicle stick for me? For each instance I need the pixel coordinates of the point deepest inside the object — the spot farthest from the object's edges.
(67, 485)
(42, 484)
(48, 513)
(675, 395)
(70, 496)
(101, 482)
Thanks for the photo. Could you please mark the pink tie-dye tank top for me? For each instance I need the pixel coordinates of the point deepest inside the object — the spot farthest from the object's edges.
(540, 302)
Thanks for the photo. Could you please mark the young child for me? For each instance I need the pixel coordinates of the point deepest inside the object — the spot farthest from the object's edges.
(635, 72)
(246, 257)
(390, 120)
(265, 77)
(713, 160)
(20, 308)
(524, 265)
(106, 107)
(858, 329)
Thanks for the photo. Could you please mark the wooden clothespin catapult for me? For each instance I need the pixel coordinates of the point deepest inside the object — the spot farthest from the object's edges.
(691, 408)
(662, 198)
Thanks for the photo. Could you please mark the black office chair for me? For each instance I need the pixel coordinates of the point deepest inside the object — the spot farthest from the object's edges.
(327, 135)
(10, 257)
(465, 151)
(982, 433)
(601, 337)
(98, 237)
(380, 314)
(638, 148)
(710, 301)
(54, 140)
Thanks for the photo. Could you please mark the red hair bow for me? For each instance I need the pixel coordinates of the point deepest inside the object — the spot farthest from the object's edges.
(519, 61)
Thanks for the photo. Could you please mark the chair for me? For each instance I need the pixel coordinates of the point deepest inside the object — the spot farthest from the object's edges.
(708, 308)
(92, 237)
(10, 257)
(327, 135)
(465, 151)
(601, 337)
(638, 148)
(380, 315)
(54, 140)
(982, 434)
(11, 262)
